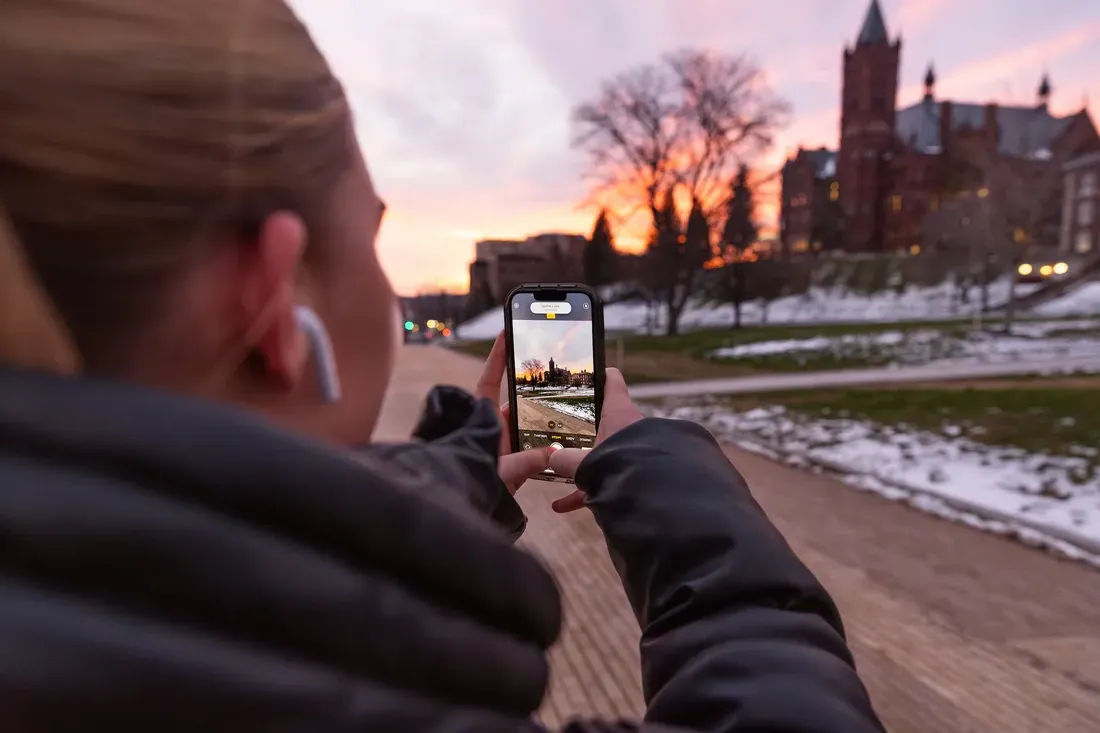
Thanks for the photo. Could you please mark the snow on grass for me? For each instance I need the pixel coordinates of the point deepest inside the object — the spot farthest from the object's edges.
(1048, 500)
(585, 409)
(1028, 341)
(818, 305)
(1083, 300)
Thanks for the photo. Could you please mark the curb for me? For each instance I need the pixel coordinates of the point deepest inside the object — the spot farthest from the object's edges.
(1078, 542)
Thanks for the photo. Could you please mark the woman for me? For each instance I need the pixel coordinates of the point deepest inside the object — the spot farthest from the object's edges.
(194, 329)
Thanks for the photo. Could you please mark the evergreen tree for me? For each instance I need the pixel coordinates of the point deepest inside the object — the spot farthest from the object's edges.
(695, 244)
(599, 254)
(738, 236)
(675, 258)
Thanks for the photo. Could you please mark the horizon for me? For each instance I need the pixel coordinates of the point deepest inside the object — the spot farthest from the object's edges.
(469, 139)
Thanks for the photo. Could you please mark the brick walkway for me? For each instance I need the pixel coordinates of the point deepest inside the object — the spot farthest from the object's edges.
(954, 630)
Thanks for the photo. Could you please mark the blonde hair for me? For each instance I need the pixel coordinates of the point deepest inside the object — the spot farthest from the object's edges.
(134, 136)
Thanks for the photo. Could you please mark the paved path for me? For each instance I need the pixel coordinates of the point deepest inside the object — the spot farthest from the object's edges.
(538, 416)
(954, 630)
(853, 377)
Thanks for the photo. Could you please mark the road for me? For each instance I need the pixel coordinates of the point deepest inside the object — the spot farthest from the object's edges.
(538, 416)
(858, 377)
(953, 629)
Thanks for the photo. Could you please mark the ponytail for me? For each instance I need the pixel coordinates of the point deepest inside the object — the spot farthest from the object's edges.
(32, 334)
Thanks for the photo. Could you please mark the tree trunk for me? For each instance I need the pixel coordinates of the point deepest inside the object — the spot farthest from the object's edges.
(672, 327)
(1010, 303)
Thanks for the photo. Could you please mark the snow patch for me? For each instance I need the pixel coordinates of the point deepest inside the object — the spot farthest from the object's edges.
(1044, 500)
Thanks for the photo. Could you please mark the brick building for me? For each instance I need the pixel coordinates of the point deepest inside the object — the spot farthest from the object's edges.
(502, 264)
(810, 220)
(895, 167)
(1081, 206)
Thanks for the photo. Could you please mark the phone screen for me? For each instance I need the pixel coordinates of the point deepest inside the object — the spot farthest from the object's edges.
(554, 368)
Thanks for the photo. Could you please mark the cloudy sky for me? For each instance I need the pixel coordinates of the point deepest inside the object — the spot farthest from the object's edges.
(568, 343)
(463, 105)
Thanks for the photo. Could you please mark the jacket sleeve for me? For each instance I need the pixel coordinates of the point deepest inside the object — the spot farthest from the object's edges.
(737, 634)
(458, 444)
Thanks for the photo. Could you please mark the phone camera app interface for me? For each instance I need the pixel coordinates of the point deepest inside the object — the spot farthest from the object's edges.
(554, 366)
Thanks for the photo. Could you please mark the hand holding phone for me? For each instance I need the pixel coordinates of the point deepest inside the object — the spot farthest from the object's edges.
(619, 411)
(555, 341)
(514, 468)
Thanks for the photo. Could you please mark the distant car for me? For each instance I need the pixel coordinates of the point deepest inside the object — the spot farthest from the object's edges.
(1040, 271)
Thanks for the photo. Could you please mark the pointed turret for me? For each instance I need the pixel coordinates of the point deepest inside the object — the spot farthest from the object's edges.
(929, 84)
(874, 27)
(1044, 90)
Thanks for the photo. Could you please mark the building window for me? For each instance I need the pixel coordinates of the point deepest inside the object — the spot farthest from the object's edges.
(1084, 213)
(834, 191)
(1019, 235)
(983, 192)
(1088, 183)
(801, 245)
(1084, 242)
(895, 202)
(914, 249)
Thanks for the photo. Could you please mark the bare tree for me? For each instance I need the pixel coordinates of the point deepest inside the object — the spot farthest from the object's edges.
(673, 134)
(1020, 207)
(532, 368)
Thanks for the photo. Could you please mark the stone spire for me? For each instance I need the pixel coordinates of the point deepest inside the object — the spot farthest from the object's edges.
(874, 27)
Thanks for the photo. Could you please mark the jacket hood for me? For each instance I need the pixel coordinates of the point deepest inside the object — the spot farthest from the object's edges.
(175, 565)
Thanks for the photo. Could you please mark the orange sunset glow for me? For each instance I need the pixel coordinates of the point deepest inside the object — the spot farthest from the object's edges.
(464, 117)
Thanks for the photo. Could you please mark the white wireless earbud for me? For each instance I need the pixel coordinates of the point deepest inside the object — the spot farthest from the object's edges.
(320, 348)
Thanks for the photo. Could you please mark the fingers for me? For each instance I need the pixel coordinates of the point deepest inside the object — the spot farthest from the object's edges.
(565, 461)
(492, 375)
(516, 468)
(570, 503)
(506, 429)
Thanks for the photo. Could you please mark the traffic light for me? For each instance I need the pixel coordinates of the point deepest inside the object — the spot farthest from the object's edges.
(408, 325)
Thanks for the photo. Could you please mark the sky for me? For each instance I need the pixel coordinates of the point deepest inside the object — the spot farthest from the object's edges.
(463, 106)
(568, 343)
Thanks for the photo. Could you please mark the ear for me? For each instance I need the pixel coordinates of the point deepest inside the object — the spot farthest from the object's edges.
(270, 283)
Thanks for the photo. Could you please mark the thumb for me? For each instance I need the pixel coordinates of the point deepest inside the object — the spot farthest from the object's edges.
(614, 385)
(565, 461)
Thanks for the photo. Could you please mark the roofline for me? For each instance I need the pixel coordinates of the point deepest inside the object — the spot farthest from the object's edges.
(1081, 162)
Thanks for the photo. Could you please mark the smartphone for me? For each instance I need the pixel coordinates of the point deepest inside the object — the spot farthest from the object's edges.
(555, 367)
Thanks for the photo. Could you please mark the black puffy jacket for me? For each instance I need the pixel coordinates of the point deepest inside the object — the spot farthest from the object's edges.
(169, 565)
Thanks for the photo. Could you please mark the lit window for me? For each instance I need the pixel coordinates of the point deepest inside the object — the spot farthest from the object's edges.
(935, 203)
(895, 202)
(1088, 183)
(1084, 242)
(983, 192)
(801, 245)
(914, 249)
(1084, 213)
(1019, 235)
(834, 191)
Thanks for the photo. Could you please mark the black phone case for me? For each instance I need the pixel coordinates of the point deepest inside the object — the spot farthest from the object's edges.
(598, 348)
